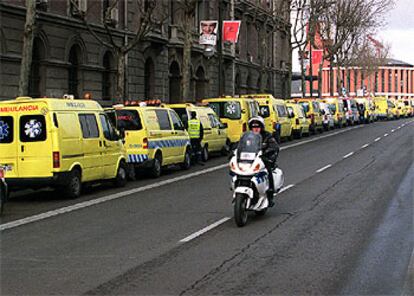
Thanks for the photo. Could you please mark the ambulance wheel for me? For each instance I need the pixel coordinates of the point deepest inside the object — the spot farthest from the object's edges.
(204, 155)
(74, 185)
(121, 175)
(187, 160)
(156, 166)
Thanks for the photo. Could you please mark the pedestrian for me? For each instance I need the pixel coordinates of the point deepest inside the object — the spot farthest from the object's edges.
(195, 131)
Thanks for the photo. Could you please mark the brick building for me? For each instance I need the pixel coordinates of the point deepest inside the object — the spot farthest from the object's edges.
(391, 78)
(394, 79)
(68, 59)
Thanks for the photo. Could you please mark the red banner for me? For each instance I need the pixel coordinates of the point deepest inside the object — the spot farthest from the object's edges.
(231, 31)
(317, 55)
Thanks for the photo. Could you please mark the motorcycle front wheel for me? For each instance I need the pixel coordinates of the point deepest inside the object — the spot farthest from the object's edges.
(240, 212)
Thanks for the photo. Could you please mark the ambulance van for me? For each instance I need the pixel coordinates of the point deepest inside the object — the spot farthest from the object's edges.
(235, 112)
(61, 143)
(154, 137)
(275, 114)
(215, 133)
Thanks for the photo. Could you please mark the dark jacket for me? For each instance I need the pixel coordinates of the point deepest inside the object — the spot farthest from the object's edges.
(270, 149)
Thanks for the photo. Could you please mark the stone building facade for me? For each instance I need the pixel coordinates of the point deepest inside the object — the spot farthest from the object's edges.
(67, 58)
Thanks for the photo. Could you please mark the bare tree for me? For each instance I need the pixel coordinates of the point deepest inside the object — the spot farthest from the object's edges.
(343, 24)
(145, 22)
(186, 8)
(27, 49)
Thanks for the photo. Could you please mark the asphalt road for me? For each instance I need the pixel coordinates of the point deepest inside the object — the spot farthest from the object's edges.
(344, 226)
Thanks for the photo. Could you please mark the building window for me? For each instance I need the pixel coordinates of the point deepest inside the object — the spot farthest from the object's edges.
(382, 80)
(35, 72)
(355, 80)
(73, 72)
(389, 80)
(396, 81)
(149, 77)
(107, 84)
(376, 81)
(348, 80)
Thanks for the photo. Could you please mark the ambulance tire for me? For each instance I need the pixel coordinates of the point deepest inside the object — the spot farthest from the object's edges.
(155, 171)
(187, 160)
(73, 187)
(121, 175)
(204, 153)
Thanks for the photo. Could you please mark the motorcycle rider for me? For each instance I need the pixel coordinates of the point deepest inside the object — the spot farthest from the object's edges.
(270, 151)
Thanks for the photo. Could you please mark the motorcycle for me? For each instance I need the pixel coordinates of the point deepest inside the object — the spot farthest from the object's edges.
(3, 189)
(250, 180)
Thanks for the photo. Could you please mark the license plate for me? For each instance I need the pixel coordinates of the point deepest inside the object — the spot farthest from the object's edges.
(247, 156)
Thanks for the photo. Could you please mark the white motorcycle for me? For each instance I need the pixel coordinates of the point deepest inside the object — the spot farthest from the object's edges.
(250, 180)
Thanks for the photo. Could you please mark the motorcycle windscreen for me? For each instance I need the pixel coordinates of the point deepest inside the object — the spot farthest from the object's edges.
(250, 145)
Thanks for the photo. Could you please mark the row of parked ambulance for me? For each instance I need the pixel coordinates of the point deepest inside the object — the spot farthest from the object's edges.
(67, 144)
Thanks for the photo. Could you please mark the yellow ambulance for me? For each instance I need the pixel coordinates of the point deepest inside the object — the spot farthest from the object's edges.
(154, 137)
(381, 108)
(60, 143)
(337, 108)
(300, 125)
(274, 113)
(215, 133)
(235, 112)
(313, 113)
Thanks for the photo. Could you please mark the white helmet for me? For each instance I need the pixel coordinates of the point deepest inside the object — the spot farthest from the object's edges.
(256, 121)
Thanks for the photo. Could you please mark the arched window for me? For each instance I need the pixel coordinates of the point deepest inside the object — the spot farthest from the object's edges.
(149, 79)
(35, 77)
(249, 84)
(73, 72)
(107, 76)
(237, 84)
(175, 83)
(259, 84)
(200, 84)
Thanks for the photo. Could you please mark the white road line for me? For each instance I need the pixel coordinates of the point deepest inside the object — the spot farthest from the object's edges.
(204, 230)
(324, 168)
(318, 138)
(392, 130)
(219, 222)
(377, 139)
(364, 146)
(348, 155)
(286, 188)
(103, 199)
(399, 127)
(385, 135)
(89, 203)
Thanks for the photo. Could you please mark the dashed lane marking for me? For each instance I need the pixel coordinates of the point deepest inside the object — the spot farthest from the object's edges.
(364, 146)
(286, 188)
(348, 155)
(377, 139)
(320, 137)
(204, 230)
(392, 130)
(89, 203)
(106, 198)
(385, 135)
(219, 222)
(324, 168)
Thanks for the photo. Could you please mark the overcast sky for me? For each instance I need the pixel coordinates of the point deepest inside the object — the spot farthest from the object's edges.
(398, 32)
